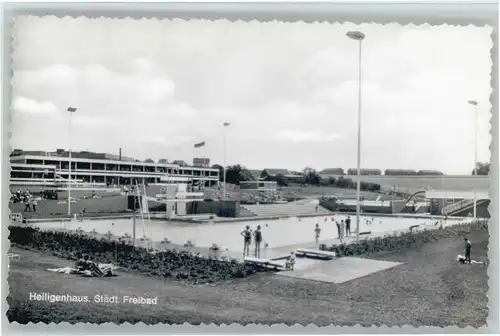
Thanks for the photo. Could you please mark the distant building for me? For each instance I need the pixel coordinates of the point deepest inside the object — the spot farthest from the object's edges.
(333, 171)
(201, 162)
(180, 163)
(429, 172)
(268, 172)
(51, 170)
(354, 171)
(400, 172)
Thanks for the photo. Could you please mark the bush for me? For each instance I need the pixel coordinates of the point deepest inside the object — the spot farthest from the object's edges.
(398, 242)
(174, 264)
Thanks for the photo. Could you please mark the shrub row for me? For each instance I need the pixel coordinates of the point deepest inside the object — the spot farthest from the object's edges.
(181, 265)
(400, 241)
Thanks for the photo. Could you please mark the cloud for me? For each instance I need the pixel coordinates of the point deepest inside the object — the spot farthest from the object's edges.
(30, 106)
(301, 136)
(152, 87)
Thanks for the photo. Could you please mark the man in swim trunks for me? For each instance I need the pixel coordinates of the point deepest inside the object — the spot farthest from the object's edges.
(247, 240)
(348, 226)
(317, 231)
(258, 239)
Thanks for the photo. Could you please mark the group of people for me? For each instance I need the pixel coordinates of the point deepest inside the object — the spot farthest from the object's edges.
(256, 235)
(343, 228)
(30, 203)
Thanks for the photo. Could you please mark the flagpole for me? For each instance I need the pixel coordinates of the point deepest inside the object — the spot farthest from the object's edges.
(226, 124)
(70, 110)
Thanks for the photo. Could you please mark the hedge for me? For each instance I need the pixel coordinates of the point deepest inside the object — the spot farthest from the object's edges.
(402, 240)
(179, 265)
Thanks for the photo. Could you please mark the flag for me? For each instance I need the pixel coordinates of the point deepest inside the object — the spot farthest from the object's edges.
(226, 124)
(71, 109)
(473, 102)
(200, 144)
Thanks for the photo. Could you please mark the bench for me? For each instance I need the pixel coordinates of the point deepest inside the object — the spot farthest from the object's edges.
(263, 262)
(315, 254)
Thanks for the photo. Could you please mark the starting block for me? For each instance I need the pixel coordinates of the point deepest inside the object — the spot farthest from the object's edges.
(264, 262)
(315, 254)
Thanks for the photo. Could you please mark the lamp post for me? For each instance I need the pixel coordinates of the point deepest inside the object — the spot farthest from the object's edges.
(225, 125)
(71, 110)
(474, 103)
(358, 36)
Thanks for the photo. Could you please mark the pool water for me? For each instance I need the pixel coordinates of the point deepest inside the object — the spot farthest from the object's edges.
(276, 233)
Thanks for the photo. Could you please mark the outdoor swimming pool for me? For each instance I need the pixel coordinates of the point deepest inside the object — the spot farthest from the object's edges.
(280, 232)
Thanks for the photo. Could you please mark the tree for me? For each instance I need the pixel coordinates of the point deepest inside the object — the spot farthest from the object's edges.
(149, 161)
(281, 180)
(221, 171)
(483, 168)
(237, 173)
(312, 177)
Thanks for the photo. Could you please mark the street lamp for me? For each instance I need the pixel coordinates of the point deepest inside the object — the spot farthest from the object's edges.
(71, 110)
(358, 36)
(475, 104)
(225, 125)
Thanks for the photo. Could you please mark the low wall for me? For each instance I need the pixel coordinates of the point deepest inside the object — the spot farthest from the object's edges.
(221, 209)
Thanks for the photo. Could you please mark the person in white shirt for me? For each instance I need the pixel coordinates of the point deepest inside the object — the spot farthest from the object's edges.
(290, 262)
(342, 229)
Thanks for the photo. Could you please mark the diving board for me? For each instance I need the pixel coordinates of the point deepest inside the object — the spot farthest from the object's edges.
(315, 254)
(264, 262)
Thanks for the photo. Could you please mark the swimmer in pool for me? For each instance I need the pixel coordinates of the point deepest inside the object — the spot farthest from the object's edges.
(258, 240)
(247, 240)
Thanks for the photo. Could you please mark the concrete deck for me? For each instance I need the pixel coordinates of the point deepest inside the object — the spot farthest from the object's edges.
(337, 271)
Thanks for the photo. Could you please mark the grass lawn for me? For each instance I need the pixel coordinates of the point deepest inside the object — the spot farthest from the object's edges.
(430, 288)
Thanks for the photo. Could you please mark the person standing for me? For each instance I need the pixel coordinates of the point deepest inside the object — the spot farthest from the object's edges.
(34, 203)
(258, 240)
(247, 240)
(468, 246)
(338, 229)
(348, 226)
(27, 204)
(342, 228)
(317, 232)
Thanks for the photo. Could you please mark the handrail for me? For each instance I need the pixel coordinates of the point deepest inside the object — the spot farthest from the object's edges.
(455, 206)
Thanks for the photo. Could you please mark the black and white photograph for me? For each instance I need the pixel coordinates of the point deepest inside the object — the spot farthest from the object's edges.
(213, 171)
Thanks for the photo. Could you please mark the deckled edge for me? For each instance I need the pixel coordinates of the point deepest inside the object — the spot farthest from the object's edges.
(456, 15)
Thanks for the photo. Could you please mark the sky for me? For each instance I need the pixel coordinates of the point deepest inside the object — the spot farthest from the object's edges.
(289, 91)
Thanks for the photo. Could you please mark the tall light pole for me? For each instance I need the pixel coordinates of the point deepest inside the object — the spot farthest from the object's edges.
(358, 36)
(71, 110)
(474, 103)
(225, 125)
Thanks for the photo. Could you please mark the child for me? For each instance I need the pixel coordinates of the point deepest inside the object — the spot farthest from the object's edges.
(290, 262)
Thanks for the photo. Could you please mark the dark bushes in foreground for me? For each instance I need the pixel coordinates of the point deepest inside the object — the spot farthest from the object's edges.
(180, 265)
(400, 241)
